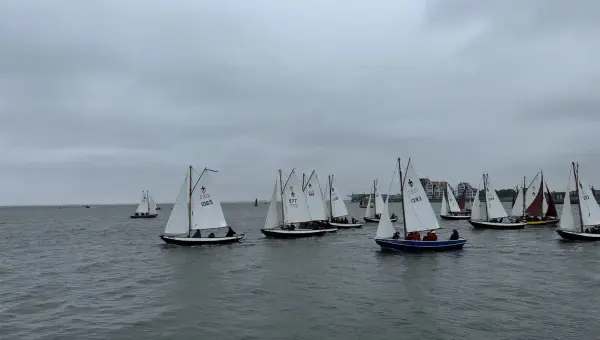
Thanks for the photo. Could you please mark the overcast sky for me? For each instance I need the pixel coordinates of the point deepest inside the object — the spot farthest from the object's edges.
(102, 99)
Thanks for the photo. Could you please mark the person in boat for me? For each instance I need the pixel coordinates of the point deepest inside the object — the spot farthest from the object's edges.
(413, 236)
(230, 232)
(377, 215)
(396, 235)
(454, 235)
(346, 220)
(393, 216)
(431, 236)
(211, 235)
(136, 214)
(197, 234)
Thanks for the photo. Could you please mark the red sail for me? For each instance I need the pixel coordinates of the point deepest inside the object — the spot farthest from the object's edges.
(551, 207)
(536, 207)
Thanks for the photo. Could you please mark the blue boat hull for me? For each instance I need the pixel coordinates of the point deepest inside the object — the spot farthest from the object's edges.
(420, 246)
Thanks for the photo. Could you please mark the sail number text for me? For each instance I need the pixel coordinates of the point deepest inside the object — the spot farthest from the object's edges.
(206, 203)
(311, 193)
(416, 199)
(204, 196)
(293, 202)
(586, 197)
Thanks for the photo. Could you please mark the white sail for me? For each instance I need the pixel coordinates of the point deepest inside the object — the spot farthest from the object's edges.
(385, 229)
(590, 211)
(517, 209)
(152, 205)
(207, 212)
(314, 198)
(567, 220)
(378, 203)
(494, 206)
(452, 203)
(444, 208)
(368, 211)
(338, 207)
(476, 208)
(274, 218)
(178, 222)
(418, 213)
(544, 204)
(142, 208)
(294, 201)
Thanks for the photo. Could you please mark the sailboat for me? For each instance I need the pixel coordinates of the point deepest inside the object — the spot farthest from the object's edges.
(541, 210)
(316, 203)
(374, 218)
(196, 209)
(288, 211)
(336, 208)
(589, 212)
(494, 213)
(418, 215)
(364, 202)
(256, 202)
(146, 208)
(450, 208)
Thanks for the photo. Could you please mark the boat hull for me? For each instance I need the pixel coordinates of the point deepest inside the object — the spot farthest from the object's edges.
(346, 225)
(296, 233)
(376, 220)
(546, 223)
(420, 246)
(200, 241)
(577, 236)
(143, 216)
(497, 226)
(455, 217)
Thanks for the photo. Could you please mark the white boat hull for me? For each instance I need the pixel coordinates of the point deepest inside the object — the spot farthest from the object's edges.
(199, 241)
(296, 233)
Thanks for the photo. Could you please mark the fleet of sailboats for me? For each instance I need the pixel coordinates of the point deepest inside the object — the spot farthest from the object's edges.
(300, 209)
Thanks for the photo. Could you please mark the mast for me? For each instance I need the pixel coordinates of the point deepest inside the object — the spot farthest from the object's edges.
(524, 190)
(485, 190)
(403, 196)
(330, 179)
(190, 203)
(576, 175)
(543, 193)
(281, 195)
(148, 201)
(303, 178)
(375, 195)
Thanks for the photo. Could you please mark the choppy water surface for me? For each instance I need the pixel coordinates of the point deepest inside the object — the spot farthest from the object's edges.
(78, 273)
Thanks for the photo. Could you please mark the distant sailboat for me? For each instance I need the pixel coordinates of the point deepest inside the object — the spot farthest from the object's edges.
(288, 211)
(197, 209)
(316, 203)
(256, 202)
(588, 226)
(374, 218)
(493, 215)
(451, 210)
(337, 211)
(418, 216)
(146, 208)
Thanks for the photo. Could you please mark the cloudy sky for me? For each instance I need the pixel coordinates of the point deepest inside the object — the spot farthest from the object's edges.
(101, 99)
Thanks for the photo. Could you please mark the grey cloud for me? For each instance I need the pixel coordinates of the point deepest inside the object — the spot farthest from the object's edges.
(130, 93)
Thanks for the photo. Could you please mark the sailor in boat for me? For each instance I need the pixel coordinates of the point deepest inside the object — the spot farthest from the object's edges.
(431, 236)
(136, 214)
(288, 227)
(396, 235)
(413, 236)
(230, 232)
(593, 230)
(197, 234)
(454, 235)
(211, 235)
(496, 220)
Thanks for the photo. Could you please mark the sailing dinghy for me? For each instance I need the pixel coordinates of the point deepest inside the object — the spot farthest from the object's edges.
(316, 203)
(541, 210)
(337, 210)
(196, 210)
(450, 208)
(146, 208)
(288, 211)
(418, 215)
(374, 218)
(494, 214)
(588, 226)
